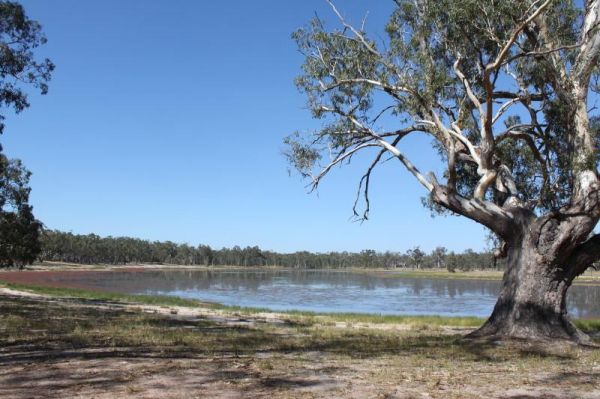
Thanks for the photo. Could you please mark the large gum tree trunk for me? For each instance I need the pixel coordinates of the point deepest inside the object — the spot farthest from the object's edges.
(532, 302)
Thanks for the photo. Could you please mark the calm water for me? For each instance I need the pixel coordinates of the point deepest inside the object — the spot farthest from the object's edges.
(324, 291)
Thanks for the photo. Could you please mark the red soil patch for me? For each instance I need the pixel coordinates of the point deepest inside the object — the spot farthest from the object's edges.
(54, 279)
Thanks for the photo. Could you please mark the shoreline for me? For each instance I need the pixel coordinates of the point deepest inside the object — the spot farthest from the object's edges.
(590, 325)
(590, 277)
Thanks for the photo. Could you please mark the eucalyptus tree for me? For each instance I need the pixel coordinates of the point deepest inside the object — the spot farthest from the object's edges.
(19, 230)
(19, 36)
(504, 90)
(439, 256)
(416, 256)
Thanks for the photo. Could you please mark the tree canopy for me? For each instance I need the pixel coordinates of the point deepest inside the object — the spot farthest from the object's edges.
(19, 230)
(490, 82)
(19, 37)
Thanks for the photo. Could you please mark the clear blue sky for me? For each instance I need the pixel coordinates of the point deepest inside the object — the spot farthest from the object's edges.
(165, 121)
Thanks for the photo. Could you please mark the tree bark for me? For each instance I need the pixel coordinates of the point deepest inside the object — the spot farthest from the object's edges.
(532, 302)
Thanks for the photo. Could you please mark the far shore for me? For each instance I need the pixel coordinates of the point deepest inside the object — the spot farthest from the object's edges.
(590, 277)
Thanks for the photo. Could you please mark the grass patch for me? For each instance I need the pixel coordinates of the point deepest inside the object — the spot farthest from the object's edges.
(412, 320)
(417, 321)
(109, 296)
(587, 325)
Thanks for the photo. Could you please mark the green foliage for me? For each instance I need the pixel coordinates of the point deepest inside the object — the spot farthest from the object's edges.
(19, 36)
(416, 256)
(452, 262)
(332, 53)
(19, 230)
(300, 155)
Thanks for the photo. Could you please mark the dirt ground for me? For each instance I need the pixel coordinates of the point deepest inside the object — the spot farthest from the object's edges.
(74, 348)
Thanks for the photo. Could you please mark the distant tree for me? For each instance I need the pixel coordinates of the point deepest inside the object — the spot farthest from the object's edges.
(368, 257)
(469, 260)
(19, 230)
(452, 262)
(416, 256)
(205, 254)
(439, 256)
(502, 90)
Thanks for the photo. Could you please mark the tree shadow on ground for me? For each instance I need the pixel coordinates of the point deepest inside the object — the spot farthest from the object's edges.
(37, 329)
(40, 332)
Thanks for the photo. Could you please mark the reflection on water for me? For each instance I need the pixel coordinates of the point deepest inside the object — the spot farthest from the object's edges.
(325, 291)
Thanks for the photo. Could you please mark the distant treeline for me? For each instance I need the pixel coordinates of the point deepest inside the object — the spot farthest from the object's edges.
(92, 249)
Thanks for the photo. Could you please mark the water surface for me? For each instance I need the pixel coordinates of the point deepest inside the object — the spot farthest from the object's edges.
(323, 291)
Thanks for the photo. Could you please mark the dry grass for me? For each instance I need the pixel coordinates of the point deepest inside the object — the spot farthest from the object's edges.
(74, 348)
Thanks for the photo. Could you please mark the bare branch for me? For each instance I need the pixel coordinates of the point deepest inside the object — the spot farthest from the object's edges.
(366, 179)
(583, 142)
(339, 159)
(406, 162)
(382, 143)
(489, 176)
(487, 139)
(515, 34)
(363, 40)
(371, 82)
(540, 53)
(504, 107)
(468, 89)
(590, 37)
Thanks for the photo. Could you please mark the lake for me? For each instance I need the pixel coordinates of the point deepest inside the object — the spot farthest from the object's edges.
(320, 290)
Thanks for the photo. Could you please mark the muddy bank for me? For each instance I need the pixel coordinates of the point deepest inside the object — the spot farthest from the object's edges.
(50, 278)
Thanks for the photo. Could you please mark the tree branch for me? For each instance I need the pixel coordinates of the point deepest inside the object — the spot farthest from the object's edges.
(511, 134)
(584, 256)
(590, 37)
(382, 143)
(468, 89)
(515, 34)
(490, 215)
(366, 179)
(339, 159)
